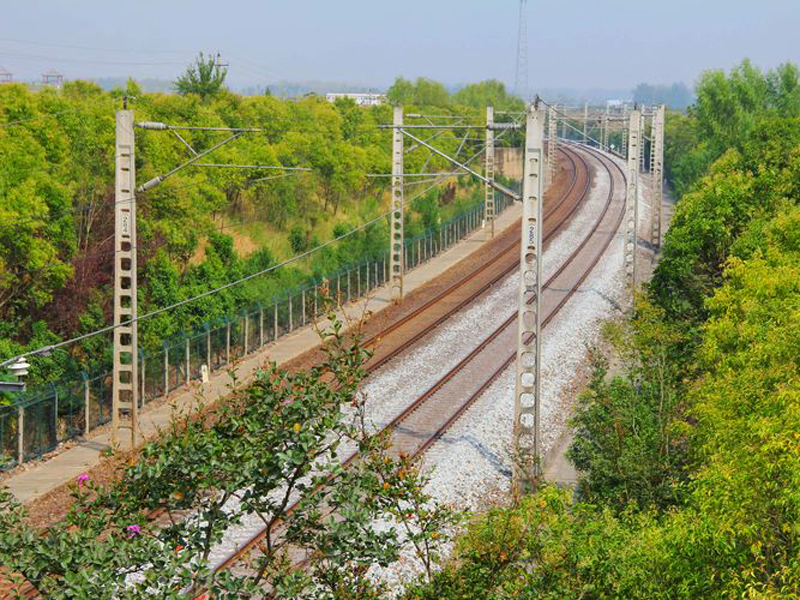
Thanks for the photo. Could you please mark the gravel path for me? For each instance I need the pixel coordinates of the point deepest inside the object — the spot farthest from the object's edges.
(470, 467)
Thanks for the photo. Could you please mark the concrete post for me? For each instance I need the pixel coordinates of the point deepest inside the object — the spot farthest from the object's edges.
(396, 264)
(291, 320)
(641, 140)
(527, 396)
(187, 375)
(657, 171)
(632, 197)
(124, 396)
(552, 144)
(488, 209)
(275, 321)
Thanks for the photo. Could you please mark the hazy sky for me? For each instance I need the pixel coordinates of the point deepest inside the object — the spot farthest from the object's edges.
(576, 44)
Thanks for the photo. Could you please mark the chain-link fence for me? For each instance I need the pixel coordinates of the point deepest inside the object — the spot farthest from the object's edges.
(43, 418)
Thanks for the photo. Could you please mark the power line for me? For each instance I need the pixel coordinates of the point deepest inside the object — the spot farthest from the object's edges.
(92, 48)
(48, 349)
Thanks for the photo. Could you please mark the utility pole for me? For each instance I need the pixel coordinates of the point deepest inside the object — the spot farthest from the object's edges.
(396, 266)
(552, 143)
(125, 397)
(488, 208)
(604, 135)
(641, 139)
(527, 467)
(632, 197)
(625, 122)
(657, 174)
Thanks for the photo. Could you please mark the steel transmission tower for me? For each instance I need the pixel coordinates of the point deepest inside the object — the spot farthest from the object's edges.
(521, 79)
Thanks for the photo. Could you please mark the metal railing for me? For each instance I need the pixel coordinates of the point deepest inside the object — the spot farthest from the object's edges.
(44, 417)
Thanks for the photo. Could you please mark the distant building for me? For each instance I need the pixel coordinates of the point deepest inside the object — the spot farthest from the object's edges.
(360, 98)
(52, 78)
(5, 76)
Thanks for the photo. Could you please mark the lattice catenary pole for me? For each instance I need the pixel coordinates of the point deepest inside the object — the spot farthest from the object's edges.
(641, 139)
(632, 197)
(625, 123)
(396, 263)
(527, 466)
(552, 143)
(124, 399)
(585, 122)
(657, 173)
(489, 204)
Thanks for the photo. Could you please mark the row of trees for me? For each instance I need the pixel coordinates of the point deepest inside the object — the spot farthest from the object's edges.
(689, 455)
(56, 217)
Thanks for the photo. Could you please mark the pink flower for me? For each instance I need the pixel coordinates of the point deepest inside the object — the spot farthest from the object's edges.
(288, 401)
(133, 530)
(83, 478)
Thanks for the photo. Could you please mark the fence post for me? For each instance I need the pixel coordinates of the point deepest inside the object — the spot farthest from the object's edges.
(55, 412)
(367, 273)
(275, 320)
(188, 376)
(303, 321)
(338, 287)
(385, 274)
(86, 396)
(291, 321)
(143, 379)
(227, 341)
(246, 333)
(208, 348)
(358, 280)
(20, 429)
(166, 368)
(316, 301)
(260, 325)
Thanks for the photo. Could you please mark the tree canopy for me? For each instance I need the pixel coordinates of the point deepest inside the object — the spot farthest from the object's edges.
(205, 77)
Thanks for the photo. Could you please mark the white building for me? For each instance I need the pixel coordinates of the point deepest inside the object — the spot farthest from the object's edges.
(361, 99)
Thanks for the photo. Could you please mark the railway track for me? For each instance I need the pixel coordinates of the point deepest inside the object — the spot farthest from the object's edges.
(428, 418)
(410, 329)
(424, 421)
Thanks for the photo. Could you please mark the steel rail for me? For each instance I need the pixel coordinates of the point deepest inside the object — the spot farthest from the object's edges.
(258, 536)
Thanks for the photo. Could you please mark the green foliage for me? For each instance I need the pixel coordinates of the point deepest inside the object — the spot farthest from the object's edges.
(422, 92)
(283, 437)
(629, 431)
(204, 78)
(200, 228)
(690, 453)
(490, 92)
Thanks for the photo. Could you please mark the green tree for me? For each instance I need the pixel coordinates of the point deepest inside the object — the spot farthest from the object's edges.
(205, 77)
